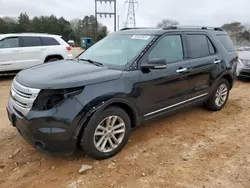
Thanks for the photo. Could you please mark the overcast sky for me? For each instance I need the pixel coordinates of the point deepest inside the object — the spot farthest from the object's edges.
(187, 12)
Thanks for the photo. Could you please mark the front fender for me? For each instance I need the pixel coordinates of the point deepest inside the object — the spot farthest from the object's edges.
(95, 98)
(95, 109)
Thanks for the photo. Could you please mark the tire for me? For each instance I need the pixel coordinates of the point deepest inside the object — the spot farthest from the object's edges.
(51, 60)
(91, 141)
(213, 102)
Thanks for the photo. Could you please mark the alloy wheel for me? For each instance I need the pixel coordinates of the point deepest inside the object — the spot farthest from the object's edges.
(221, 95)
(109, 134)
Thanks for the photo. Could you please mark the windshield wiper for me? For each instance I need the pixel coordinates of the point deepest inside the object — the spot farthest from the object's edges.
(92, 62)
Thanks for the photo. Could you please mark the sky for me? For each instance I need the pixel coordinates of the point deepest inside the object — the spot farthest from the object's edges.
(148, 12)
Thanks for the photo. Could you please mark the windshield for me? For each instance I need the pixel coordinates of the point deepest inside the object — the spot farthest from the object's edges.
(117, 49)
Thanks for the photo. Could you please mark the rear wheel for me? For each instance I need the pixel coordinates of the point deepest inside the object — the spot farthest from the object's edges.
(106, 134)
(219, 97)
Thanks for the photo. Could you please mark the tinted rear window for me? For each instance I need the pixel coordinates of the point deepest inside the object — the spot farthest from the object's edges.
(49, 41)
(30, 41)
(198, 46)
(226, 42)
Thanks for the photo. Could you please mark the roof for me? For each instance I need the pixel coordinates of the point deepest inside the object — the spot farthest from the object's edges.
(141, 31)
(160, 31)
(27, 34)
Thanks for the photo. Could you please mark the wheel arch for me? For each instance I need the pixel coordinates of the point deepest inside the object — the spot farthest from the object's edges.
(128, 109)
(58, 56)
(124, 104)
(229, 78)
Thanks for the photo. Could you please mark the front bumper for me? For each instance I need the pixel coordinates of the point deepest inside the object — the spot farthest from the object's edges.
(51, 133)
(69, 56)
(243, 71)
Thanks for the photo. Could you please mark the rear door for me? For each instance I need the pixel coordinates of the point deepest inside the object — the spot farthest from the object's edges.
(32, 50)
(204, 61)
(10, 54)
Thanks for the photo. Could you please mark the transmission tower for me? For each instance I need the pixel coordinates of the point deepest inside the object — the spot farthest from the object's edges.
(131, 12)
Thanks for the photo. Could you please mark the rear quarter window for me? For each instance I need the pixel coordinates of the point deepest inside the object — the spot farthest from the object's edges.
(49, 41)
(227, 43)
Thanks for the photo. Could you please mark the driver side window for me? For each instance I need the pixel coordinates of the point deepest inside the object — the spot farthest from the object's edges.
(170, 48)
(12, 42)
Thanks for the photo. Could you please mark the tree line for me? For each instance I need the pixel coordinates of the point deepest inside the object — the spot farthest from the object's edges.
(74, 29)
(239, 33)
(86, 27)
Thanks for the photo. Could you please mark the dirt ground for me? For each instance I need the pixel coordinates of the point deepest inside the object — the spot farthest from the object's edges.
(193, 148)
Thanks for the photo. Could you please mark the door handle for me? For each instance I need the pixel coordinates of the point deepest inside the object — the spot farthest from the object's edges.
(217, 61)
(181, 70)
(42, 49)
(16, 50)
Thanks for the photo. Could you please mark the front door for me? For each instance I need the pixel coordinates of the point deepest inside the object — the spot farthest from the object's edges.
(10, 54)
(163, 89)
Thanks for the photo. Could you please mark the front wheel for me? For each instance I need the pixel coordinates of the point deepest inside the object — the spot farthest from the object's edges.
(106, 134)
(219, 97)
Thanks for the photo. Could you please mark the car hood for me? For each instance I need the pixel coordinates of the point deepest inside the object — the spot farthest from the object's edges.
(65, 74)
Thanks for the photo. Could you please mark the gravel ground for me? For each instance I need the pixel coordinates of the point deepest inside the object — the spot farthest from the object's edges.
(193, 148)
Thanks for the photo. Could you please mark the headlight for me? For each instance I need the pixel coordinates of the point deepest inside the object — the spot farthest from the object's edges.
(48, 99)
(244, 62)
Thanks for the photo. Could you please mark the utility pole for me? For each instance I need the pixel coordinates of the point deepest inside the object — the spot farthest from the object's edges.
(98, 3)
(118, 24)
(131, 13)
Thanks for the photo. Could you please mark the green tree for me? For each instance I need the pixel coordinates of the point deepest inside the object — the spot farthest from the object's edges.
(167, 23)
(3, 26)
(24, 24)
(8, 25)
(238, 32)
(51, 24)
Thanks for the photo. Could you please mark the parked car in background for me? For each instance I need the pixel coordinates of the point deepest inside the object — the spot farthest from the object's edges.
(21, 51)
(243, 48)
(130, 76)
(243, 67)
(71, 43)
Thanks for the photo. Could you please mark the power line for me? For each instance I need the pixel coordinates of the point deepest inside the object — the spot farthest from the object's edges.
(142, 2)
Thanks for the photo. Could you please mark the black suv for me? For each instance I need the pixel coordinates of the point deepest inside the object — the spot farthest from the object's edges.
(93, 101)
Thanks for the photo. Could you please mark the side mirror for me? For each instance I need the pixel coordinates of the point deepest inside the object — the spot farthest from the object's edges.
(155, 63)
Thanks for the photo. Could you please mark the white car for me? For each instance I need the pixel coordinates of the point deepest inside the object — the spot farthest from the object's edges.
(21, 51)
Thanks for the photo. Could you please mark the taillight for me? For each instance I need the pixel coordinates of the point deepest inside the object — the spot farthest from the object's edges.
(68, 48)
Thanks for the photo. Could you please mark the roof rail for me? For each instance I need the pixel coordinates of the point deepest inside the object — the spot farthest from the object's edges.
(129, 28)
(194, 27)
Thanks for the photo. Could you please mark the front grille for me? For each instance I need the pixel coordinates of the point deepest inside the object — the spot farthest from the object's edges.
(245, 73)
(22, 97)
(247, 65)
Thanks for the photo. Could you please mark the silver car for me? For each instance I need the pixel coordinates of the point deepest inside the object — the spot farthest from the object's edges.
(243, 67)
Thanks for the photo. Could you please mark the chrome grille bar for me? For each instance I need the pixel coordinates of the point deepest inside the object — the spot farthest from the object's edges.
(22, 97)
